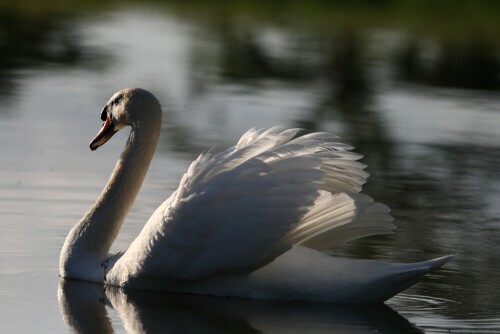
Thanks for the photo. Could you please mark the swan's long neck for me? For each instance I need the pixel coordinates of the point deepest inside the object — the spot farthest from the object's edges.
(88, 243)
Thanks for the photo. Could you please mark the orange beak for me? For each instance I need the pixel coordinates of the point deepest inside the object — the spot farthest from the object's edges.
(107, 131)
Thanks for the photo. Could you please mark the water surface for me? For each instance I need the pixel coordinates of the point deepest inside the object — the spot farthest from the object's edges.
(422, 108)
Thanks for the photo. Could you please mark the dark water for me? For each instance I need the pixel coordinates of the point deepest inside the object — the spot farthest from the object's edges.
(416, 92)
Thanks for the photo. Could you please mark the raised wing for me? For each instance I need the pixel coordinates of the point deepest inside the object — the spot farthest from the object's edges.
(240, 209)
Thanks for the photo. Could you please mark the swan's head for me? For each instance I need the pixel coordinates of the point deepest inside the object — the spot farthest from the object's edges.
(134, 107)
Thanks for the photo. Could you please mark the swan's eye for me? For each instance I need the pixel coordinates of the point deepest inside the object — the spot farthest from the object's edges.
(117, 100)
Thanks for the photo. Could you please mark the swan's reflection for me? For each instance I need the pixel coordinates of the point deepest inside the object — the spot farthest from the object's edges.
(83, 305)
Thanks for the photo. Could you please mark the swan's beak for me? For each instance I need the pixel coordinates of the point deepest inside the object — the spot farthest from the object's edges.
(107, 131)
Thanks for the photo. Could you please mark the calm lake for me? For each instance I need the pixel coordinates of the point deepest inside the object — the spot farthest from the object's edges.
(415, 87)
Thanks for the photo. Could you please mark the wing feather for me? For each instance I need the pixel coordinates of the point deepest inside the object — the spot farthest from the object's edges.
(243, 207)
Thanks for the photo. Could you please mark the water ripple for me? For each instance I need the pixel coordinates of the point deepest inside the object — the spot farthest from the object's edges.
(428, 313)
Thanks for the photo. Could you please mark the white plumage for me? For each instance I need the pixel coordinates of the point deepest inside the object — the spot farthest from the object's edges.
(235, 224)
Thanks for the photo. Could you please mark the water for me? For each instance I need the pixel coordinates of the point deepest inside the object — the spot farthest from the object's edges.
(423, 109)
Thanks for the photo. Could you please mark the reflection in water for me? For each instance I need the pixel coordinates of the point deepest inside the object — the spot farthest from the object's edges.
(83, 307)
(36, 38)
(472, 64)
(247, 57)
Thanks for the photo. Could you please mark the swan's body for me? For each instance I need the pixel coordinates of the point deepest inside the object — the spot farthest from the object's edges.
(247, 222)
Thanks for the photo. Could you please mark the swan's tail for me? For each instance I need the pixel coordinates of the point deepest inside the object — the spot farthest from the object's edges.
(396, 277)
(317, 276)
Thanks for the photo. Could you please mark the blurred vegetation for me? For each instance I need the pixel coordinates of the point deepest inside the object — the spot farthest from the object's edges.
(40, 33)
(456, 20)
(462, 37)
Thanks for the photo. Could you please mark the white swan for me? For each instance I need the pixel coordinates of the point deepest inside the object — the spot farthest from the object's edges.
(246, 222)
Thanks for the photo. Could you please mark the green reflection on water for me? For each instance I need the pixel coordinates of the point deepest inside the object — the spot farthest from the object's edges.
(444, 44)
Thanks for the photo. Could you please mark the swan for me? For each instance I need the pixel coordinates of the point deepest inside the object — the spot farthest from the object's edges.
(250, 221)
